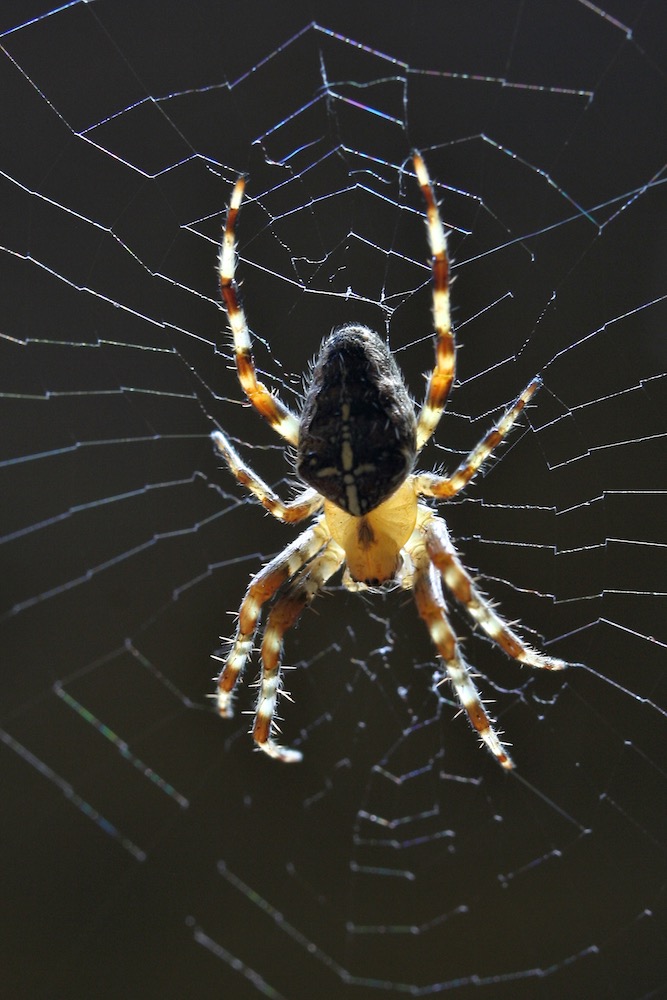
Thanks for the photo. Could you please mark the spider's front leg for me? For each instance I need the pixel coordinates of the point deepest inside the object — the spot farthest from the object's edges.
(442, 376)
(431, 485)
(262, 588)
(271, 408)
(306, 503)
(432, 609)
(283, 615)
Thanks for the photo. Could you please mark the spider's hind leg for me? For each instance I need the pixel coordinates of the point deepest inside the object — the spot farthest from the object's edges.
(283, 615)
(458, 581)
(262, 588)
(431, 607)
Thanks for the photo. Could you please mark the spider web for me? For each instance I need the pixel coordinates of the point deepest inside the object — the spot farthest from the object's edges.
(148, 851)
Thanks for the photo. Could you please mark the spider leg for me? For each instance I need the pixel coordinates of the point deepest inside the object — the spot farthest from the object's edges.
(432, 609)
(307, 502)
(442, 376)
(271, 408)
(443, 555)
(262, 588)
(431, 485)
(283, 615)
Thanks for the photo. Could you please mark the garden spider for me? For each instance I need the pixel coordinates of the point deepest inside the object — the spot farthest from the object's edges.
(356, 440)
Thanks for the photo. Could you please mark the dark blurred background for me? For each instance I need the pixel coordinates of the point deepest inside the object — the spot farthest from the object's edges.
(147, 850)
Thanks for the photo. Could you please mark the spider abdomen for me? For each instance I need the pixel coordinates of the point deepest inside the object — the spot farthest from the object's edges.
(357, 432)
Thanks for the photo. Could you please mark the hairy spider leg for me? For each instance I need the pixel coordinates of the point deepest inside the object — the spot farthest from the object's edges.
(261, 589)
(282, 616)
(432, 609)
(456, 578)
(442, 376)
(306, 503)
(431, 485)
(270, 406)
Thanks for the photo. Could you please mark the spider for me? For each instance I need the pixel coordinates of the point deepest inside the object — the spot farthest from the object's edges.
(357, 439)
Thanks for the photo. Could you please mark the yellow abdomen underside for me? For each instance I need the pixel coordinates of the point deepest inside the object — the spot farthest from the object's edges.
(372, 543)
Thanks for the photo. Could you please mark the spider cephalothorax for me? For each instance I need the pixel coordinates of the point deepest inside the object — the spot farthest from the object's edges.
(358, 430)
(357, 440)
